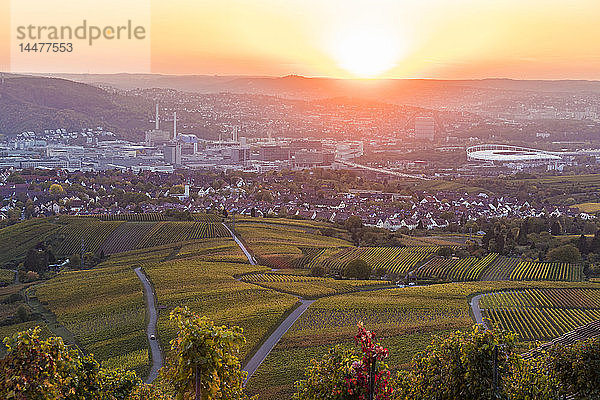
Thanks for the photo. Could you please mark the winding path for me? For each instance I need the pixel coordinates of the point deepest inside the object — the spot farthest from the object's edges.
(268, 345)
(157, 359)
(477, 310)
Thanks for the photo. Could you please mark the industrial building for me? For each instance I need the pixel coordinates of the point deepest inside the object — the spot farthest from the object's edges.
(424, 128)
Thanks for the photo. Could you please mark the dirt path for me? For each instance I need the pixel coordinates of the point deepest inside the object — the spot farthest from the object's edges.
(157, 358)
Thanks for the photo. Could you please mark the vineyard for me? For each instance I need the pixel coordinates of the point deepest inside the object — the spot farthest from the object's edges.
(542, 314)
(494, 267)
(126, 237)
(465, 269)
(92, 232)
(173, 232)
(17, 239)
(397, 260)
(308, 286)
(141, 217)
(210, 288)
(152, 217)
(527, 271)
(104, 308)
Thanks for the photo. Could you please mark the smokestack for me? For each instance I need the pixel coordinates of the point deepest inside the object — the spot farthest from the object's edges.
(156, 118)
(235, 133)
(174, 125)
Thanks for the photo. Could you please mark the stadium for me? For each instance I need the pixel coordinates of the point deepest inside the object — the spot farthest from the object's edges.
(506, 154)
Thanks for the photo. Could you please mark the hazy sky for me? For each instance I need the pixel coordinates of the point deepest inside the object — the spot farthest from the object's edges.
(377, 38)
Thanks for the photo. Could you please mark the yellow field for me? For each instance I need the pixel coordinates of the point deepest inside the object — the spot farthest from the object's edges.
(589, 208)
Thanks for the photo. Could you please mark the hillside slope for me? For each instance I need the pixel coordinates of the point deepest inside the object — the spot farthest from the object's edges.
(34, 103)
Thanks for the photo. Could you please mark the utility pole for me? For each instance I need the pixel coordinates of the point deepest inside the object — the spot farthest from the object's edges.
(198, 386)
(82, 252)
(372, 379)
(495, 375)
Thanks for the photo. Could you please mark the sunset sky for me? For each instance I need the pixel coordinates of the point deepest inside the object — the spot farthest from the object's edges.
(367, 39)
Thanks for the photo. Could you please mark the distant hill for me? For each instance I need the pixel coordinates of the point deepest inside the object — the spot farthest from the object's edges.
(30, 103)
(295, 86)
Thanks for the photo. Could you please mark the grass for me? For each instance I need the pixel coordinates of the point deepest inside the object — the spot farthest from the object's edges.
(7, 276)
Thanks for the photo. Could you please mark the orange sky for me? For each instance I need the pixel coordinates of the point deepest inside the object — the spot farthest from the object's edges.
(448, 39)
(429, 38)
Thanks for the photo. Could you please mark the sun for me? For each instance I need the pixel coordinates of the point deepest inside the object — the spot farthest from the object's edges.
(366, 51)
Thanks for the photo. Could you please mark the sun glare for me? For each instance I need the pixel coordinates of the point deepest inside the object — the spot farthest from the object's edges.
(366, 51)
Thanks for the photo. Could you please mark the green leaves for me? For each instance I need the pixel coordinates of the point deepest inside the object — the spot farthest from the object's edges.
(208, 352)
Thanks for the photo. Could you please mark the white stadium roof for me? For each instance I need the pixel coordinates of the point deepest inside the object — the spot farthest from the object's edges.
(506, 153)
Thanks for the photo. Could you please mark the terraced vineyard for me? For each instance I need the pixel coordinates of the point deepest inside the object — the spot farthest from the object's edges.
(92, 232)
(104, 308)
(126, 237)
(542, 314)
(527, 271)
(173, 232)
(394, 259)
(465, 269)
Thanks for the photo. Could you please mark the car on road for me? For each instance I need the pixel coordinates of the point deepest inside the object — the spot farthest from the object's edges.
(152, 337)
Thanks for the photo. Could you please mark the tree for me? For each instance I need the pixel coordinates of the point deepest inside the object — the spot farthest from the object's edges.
(203, 359)
(354, 225)
(555, 228)
(56, 189)
(48, 369)
(345, 373)
(358, 269)
(595, 244)
(36, 260)
(582, 244)
(566, 254)
(317, 270)
(445, 252)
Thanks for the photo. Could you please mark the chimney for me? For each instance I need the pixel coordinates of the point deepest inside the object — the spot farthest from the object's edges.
(156, 118)
(174, 125)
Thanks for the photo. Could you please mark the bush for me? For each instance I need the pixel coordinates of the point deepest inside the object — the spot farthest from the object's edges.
(566, 254)
(357, 269)
(459, 366)
(577, 368)
(317, 270)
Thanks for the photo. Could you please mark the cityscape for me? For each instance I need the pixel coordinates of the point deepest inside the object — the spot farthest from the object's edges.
(299, 200)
